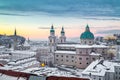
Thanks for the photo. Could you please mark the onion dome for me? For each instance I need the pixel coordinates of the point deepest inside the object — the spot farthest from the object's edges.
(52, 29)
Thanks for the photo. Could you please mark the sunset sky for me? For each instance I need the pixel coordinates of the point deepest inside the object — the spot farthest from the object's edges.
(33, 18)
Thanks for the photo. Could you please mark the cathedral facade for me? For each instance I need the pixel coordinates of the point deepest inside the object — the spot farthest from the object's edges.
(78, 55)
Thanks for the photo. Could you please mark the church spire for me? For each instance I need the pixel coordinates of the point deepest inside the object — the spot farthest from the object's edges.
(15, 33)
(52, 27)
(15, 39)
(62, 31)
(28, 40)
(62, 28)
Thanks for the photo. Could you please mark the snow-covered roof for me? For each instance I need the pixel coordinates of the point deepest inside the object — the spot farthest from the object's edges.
(23, 52)
(7, 60)
(20, 66)
(82, 46)
(64, 52)
(99, 68)
(4, 55)
(67, 45)
(95, 54)
(26, 44)
(25, 65)
(1, 47)
(91, 46)
(22, 61)
(48, 71)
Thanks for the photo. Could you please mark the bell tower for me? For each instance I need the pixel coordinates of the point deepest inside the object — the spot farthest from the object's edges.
(62, 38)
(15, 39)
(52, 40)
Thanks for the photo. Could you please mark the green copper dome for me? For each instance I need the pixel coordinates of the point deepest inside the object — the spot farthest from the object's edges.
(87, 34)
(52, 29)
(62, 32)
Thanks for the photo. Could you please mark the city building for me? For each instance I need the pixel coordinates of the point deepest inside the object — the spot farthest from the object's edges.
(102, 70)
(25, 46)
(78, 55)
(16, 55)
(18, 46)
(44, 56)
(4, 58)
(118, 52)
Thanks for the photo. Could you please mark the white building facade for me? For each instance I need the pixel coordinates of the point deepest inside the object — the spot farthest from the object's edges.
(44, 56)
(76, 55)
(102, 70)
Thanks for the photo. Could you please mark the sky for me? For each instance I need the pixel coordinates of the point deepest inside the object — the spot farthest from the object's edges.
(33, 18)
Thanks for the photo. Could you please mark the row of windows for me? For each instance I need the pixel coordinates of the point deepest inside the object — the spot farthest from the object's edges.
(71, 61)
(117, 73)
(66, 60)
(117, 77)
(87, 58)
(81, 58)
(66, 56)
(86, 63)
(118, 68)
(73, 57)
(86, 42)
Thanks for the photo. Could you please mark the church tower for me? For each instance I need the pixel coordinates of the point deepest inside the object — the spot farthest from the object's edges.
(15, 39)
(52, 40)
(62, 38)
(15, 33)
(28, 40)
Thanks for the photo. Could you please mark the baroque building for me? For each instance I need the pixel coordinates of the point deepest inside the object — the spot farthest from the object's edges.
(75, 54)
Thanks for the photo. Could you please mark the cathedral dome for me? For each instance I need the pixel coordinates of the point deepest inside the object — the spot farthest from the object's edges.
(87, 34)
